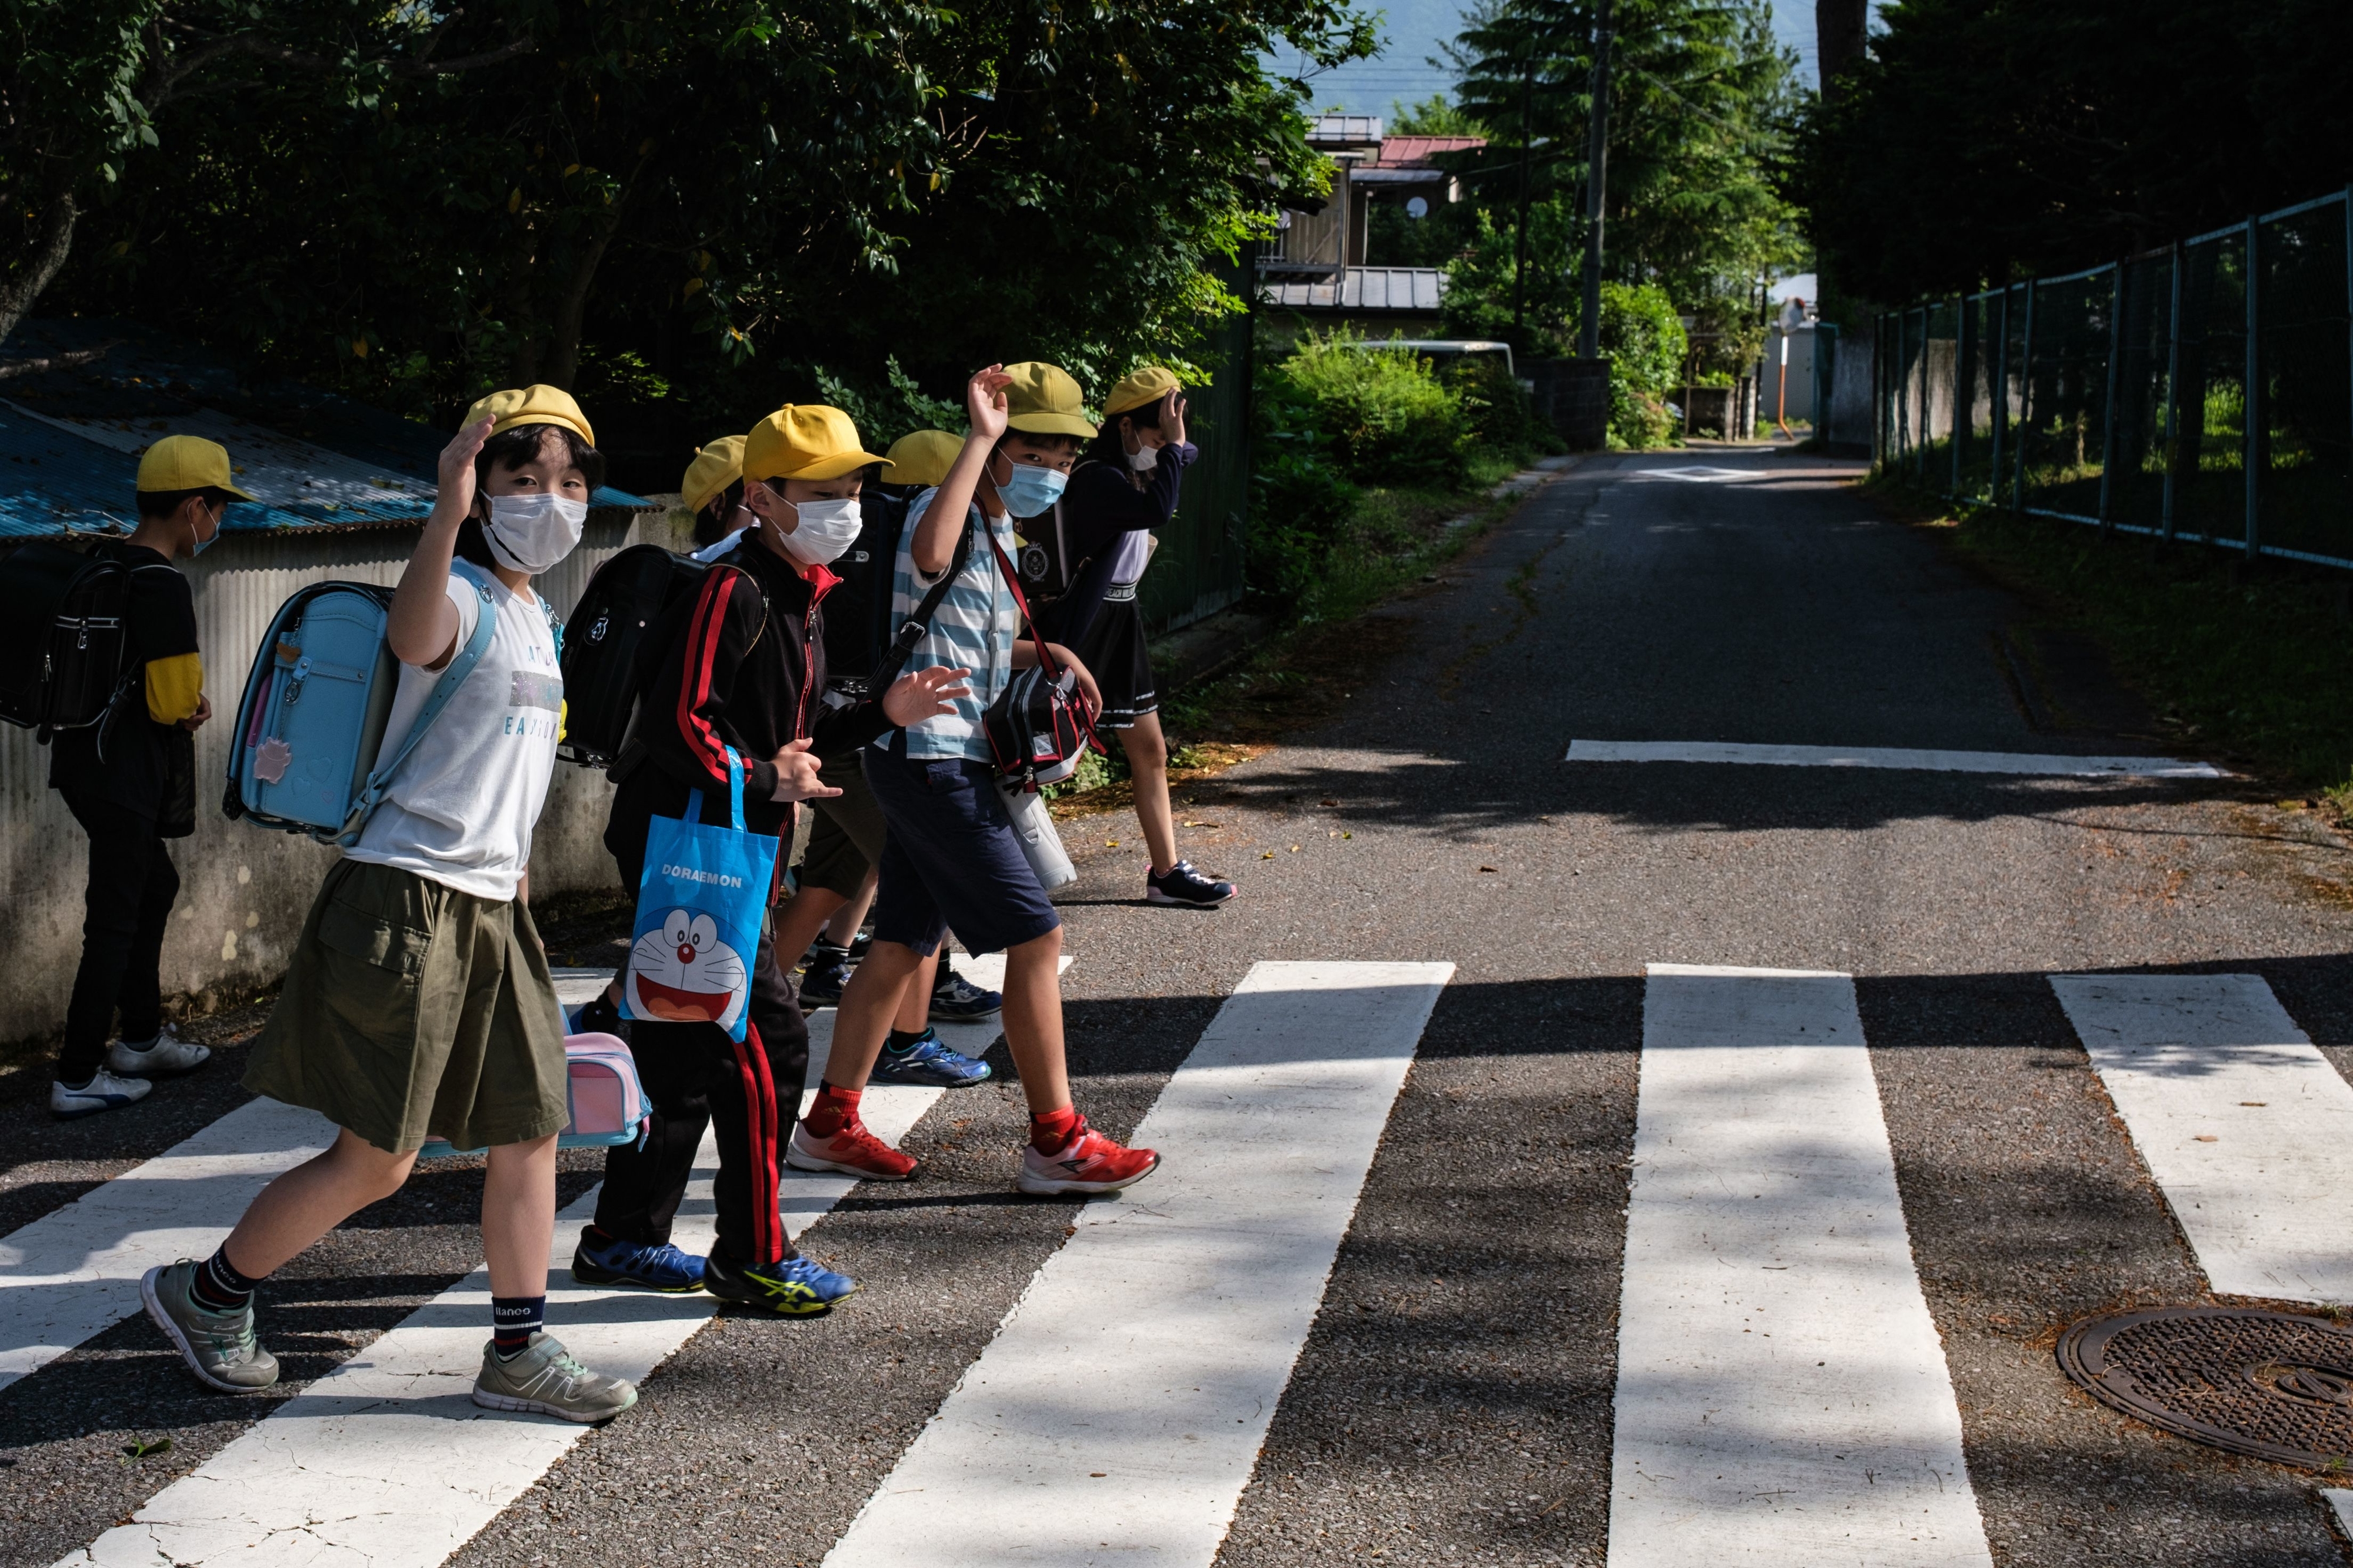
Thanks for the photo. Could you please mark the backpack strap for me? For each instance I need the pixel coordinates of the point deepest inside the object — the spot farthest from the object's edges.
(918, 626)
(453, 676)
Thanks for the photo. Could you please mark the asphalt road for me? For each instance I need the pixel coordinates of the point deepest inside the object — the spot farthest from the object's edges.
(1453, 1402)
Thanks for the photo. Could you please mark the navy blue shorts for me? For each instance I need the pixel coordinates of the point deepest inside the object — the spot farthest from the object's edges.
(950, 861)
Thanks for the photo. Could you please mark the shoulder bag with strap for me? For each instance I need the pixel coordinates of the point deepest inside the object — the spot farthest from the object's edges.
(1039, 727)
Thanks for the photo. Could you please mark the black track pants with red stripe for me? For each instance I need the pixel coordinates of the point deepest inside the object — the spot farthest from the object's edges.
(748, 1092)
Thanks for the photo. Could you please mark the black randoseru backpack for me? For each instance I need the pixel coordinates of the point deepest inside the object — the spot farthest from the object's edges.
(62, 650)
(607, 630)
(858, 611)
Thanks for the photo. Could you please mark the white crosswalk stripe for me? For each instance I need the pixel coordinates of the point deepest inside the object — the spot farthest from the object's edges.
(1782, 1395)
(1121, 1405)
(2245, 1126)
(1781, 1389)
(67, 1275)
(74, 1272)
(387, 1461)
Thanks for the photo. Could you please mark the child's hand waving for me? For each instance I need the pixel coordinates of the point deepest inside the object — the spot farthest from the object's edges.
(457, 492)
(984, 400)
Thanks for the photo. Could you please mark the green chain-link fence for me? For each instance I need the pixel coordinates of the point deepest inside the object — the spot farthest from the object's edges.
(2204, 391)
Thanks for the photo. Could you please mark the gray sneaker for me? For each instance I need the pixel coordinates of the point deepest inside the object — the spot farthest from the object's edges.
(220, 1347)
(104, 1091)
(162, 1056)
(545, 1379)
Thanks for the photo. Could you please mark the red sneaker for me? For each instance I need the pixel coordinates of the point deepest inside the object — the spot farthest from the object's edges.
(853, 1151)
(1088, 1163)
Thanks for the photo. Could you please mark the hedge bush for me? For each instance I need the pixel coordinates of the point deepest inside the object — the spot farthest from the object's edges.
(1386, 414)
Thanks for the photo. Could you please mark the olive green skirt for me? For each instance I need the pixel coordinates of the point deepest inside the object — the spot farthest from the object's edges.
(411, 1009)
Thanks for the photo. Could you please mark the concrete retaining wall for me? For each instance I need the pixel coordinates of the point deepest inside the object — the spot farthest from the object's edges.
(243, 891)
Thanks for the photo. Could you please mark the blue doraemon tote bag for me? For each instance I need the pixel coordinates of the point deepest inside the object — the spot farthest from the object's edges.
(698, 913)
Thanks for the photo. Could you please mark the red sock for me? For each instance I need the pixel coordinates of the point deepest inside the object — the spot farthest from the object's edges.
(834, 1110)
(1052, 1132)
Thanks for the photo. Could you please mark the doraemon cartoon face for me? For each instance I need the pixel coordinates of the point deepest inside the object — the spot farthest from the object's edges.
(681, 973)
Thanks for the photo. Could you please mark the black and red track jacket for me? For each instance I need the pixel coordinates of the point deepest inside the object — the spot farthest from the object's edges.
(742, 666)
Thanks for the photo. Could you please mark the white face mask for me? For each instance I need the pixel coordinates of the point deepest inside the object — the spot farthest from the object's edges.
(827, 528)
(1143, 460)
(532, 532)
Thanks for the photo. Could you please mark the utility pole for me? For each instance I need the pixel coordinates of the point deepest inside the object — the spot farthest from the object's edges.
(1520, 258)
(1596, 159)
(1841, 30)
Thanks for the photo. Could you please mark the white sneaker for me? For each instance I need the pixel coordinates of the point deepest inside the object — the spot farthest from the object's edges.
(104, 1091)
(160, 1058)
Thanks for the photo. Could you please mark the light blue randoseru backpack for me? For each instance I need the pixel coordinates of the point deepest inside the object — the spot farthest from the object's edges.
(311, 725)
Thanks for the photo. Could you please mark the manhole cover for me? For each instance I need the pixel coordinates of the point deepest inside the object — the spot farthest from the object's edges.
(2268, 1383)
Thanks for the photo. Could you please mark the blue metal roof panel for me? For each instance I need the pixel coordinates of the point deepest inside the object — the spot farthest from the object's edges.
(71, 440)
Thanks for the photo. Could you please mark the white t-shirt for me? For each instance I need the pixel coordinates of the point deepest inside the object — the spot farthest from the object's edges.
(462, 808)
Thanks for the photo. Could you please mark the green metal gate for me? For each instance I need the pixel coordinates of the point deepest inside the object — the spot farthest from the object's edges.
(1198, 570)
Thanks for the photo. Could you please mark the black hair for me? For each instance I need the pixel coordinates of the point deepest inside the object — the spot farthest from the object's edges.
(474, 545)
(711, 522)
(163, 503)
(1074, 443)
(1107, 447)
(512, 449)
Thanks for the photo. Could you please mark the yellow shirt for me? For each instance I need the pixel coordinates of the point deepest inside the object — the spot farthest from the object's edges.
(174, 687)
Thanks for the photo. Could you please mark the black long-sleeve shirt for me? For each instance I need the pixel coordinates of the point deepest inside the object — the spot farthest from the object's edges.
(744, 668)
(1102, 505)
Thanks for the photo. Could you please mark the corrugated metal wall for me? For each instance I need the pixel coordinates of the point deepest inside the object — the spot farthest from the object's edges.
(243, 891)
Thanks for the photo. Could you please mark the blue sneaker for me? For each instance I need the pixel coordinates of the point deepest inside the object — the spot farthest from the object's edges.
(631, 1262)
(796, 1288)
(928, 1064)
(955, 1000)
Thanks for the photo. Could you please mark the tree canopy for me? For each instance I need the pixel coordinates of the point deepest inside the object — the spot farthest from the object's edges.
(1701, 101)
(1987, 141)
(419, 202)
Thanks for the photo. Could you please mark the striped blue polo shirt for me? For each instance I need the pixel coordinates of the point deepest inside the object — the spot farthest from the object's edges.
(974, 628)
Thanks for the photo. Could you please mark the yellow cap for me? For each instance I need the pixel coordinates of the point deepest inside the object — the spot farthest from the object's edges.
(1149, 385)
(187, 463)
(714, 468)
(923, 458)
(804, 441)
(1044, 401)
(532, 406)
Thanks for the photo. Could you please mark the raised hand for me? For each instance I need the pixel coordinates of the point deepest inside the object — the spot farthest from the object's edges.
(457, 492)
(984, 401)
(923, 694)
(1172, 417)
(796, 777)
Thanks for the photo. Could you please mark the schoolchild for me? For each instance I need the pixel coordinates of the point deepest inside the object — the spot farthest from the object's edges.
(130, 781)
(713, 491)
(1126, 491)
(951, 858)
(740, 667)
(418, 1000)
(837, 871)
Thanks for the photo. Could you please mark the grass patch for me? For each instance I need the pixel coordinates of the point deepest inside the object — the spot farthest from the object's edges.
(1396, 535)
(2251, 664)
(1187, 764)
